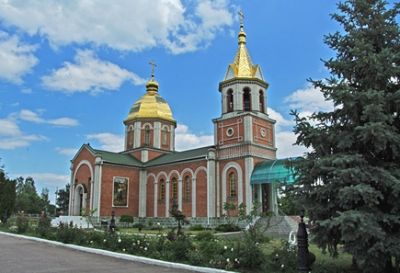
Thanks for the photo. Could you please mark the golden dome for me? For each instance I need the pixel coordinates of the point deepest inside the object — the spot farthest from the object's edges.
(151, 105)
(242, 66)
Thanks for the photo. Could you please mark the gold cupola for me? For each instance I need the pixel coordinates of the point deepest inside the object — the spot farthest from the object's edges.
(151, 105)
(242, 66)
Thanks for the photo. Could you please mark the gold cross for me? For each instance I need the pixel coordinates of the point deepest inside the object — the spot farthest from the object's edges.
(153, 65)
(241, 17)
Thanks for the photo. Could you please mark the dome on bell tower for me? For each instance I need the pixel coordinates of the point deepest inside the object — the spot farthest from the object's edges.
(151, 105)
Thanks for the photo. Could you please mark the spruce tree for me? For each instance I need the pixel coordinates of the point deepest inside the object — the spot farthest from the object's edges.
(350, 181)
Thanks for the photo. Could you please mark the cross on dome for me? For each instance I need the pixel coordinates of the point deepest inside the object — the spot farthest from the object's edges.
(241, 18)
(153, 65)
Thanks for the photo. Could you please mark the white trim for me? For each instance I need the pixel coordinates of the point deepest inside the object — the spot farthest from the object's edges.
(127, 192)
(194, 196)
(144, 155)
(201, 168)
(249, 166)
(157, 135)
(167, 198)
(172, 139)
(180, 194)
(173, 172)
(147, 123)
(160, 174)
(218, 181)
(71, 190)
(185, 171)
(137, 132)
(142, 193)
(84, 162)
(76, 208)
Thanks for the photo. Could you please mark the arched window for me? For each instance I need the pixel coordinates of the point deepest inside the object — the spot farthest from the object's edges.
(162, 190)
(246, 99)
(164, 136)
(187, 187)
(174, 189)
(147, 135)
(232, 184)
(262, 110)
(230, 101)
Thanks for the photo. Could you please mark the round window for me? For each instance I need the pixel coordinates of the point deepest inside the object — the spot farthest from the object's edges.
(263, 132)
(230, 132)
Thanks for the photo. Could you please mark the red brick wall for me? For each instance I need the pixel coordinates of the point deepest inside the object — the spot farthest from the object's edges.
(108, 173)
(180, 167)
(161, 201)
(150, 197)
(187, 203)
(237, 125)
(201, 194)
(266, 126)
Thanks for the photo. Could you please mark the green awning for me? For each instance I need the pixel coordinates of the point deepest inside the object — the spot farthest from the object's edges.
(271, 171)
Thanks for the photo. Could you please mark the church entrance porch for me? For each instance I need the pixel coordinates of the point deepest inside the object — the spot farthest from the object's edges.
(265, 177)
(79, 200)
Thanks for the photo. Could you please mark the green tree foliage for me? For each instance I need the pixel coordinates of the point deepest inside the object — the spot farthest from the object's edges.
(27, 199)
(63, 199)
(286, 201)
(350, 182)
(7, 196)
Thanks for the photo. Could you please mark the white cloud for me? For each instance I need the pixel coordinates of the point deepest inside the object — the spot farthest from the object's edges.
(308, 100)
(31, 116)
(184, 139)
(47, 180)
(108, 142)
(67, 151)
(280, 120)
(122, 25)
(26, 91)
(89, 73)
(28, 115)
(9, 128)
(284, 143)
(67, 122)
(16, 58)
(11, 136)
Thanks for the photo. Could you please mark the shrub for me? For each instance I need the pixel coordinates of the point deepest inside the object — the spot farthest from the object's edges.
(180, 248)
(44, 226)
(70, 234)
(227, 228)
(283, 257)
(22, 223)
(126, 219)
(196, 228)
(205, 236)
(139, 226)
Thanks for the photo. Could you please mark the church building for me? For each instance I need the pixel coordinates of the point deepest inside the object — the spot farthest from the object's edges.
(149, 176)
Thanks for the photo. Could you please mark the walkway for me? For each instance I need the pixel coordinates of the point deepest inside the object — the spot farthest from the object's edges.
(19, 255)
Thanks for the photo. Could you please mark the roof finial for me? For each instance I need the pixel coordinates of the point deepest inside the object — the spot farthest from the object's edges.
(241, 19)
(153, 65)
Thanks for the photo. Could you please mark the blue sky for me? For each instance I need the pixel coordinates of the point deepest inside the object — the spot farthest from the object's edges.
(70, 70)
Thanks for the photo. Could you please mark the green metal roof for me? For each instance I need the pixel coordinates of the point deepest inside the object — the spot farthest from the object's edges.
(271, 171)
(117, 158)
(179, 156)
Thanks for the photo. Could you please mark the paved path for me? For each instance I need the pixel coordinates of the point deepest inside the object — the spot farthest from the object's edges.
(19, 255)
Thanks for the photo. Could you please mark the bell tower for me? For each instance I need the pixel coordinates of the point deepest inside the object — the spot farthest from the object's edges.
(244, 133)
(150, 126)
